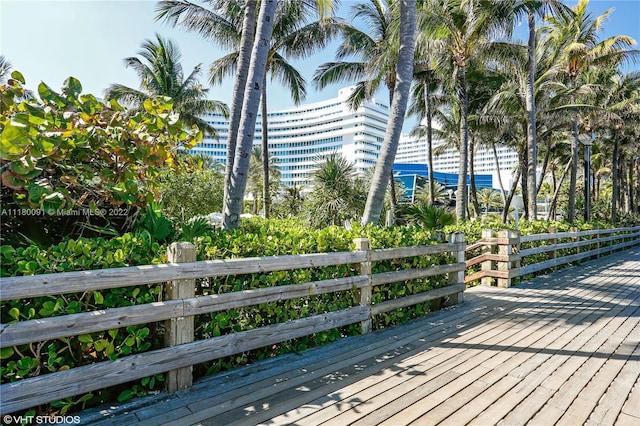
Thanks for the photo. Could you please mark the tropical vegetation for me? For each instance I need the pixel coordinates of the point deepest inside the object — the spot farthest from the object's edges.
(90, 184)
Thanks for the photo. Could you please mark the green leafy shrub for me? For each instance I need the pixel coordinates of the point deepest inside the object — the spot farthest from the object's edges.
(72, 164)
(255, 238)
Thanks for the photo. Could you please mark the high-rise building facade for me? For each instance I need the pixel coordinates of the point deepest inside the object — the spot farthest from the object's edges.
(415, 150)
(301, 137)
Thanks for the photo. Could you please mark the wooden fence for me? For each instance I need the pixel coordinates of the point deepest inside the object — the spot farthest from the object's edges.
(181, 352)
(508, 255)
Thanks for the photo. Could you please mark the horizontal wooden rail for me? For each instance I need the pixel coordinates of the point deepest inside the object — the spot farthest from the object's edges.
(73, 282)
(402, 252)
(29, 392)
(551, 263)
(413, 274)
(415, 299)
(88, 322)
(51, 387)
(493, 257)
(602, 239)
(548, 236)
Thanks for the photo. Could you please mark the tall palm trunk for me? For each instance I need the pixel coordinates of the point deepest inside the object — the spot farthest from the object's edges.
(500, 184)
(630, 185)
(615, 166)
(404, 75)
(250, 106)
(531, 118)
(244, 59)
(554, 200)
(545, 164)
(524, 160)
(461, 195)
(575, 147)
(474, 192)
(512, 192)
(429, 114)
(392, 183)
(266, 198)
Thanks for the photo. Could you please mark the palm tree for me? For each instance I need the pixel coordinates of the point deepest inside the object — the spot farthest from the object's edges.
(220, 26)
(373, 53)
(373, 56)
(293, 37)
(255, 180)
(618, 105)
(428, 216)
(489, 198)
(251, 103)
(434, 193)
(576, 36)
(160, 72)
(291, 201)
(404, 74)
(337, 193)
(532, 8)
(465, 26)
(426, 96)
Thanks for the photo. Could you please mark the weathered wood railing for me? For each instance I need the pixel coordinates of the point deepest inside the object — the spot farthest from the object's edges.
(182, 352)
(508, 256)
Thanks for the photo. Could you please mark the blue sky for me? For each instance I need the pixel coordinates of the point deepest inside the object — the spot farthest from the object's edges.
(88, 39)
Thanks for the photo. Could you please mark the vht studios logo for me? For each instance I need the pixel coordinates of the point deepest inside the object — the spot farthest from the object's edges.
(40, 420)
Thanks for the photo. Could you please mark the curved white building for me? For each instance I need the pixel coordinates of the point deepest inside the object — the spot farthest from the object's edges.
(300, 137)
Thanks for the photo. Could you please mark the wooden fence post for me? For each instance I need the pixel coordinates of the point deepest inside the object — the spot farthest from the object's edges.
(507, 250)
(553, 253)
(363, 244)
(575, 239)
(179, 330)
(487, 265)
(457, 277)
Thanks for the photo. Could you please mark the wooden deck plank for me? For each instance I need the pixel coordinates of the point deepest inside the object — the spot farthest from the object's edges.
(610, 405)
(632, 405)
(449, 405)
(295, 398)
(558, 405)
(545, 381)
(535, 370)
(378, 414)
(465, 406)
(286, 382)
(560, 348)
(590, 387)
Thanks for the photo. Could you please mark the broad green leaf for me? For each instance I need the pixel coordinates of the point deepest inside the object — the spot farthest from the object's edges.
(72, 87)
(98, 297)
(85, 338)
(125, 395)
(17, 75)
(47, 94)
(14, 313)
(53, 201)
(6, 353)
(13, 141)
(23, 165)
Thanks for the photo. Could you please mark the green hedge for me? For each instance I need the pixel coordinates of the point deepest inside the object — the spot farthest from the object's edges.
(255, 238)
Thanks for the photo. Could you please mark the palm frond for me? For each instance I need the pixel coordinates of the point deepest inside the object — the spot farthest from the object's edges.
(221, 26)
(223, 67)
(338, 72)
(289, 77)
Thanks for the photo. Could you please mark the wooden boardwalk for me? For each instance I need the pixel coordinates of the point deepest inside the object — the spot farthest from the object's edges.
(561, 349)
